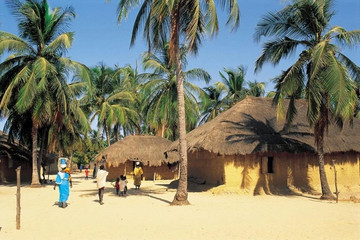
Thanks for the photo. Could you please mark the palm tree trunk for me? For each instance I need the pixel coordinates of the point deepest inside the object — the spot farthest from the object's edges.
(107, 133)
(116, 130)
(181, 195)
(42, 150)
(35, 176)
(319, 131)
(325, 189)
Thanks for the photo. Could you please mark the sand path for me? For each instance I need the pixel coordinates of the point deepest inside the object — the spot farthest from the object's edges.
(146, 214)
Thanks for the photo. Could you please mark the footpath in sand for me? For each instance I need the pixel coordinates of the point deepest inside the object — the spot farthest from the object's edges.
(146, 214)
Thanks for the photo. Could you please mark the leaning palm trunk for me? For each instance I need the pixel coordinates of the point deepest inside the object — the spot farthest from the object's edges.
(35, 175)
(320, 128)
(325, 189)
(181, 193)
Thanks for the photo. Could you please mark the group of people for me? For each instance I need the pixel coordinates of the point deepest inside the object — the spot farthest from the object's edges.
(64, 182)
(121, 185)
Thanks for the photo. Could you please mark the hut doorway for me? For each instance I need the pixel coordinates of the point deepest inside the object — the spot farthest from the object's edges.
(267, 165)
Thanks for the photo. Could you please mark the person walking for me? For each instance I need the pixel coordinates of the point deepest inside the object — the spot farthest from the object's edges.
(123, 185)
(86, 173)
(117, 186)
(94, 171)
(63, 180)
(138, 172)
(101, 181)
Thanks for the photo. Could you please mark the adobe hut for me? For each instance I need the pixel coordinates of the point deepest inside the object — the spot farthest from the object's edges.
(120, 158)
(246, 149)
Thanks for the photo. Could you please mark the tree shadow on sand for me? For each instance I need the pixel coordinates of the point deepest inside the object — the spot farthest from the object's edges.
(147, 191)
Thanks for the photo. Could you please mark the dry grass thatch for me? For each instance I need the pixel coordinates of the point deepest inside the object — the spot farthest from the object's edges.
(251, 127)
(147, 149)
(13, 150)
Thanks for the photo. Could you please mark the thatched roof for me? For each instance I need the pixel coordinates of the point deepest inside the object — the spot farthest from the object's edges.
(251, 126)
(16, 151)
(147, 149)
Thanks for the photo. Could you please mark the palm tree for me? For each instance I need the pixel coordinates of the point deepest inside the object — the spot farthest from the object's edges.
(321, 70)
(33, 80)
(174, 21)
(212, 103)
(131, 80)
(234, 83)
(256, 89)
(109, 102)
(160, 103)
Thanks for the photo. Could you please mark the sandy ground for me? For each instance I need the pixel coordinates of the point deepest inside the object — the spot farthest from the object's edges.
(146, 214)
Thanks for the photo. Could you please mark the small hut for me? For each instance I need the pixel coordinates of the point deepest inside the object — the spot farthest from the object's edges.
(13, 155)
(248, 149)
(120, 157)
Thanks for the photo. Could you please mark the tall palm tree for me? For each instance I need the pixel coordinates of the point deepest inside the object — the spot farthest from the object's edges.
(160, 104)
(132, 81)
(321, 70)
(173, 22)
(33, 80)
(109, 102)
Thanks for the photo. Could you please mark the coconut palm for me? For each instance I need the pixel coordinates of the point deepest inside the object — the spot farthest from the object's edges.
(212, 103)
(160, 103)
(234, 83)
(256, 89)
(109, 102)
(33, 80)
(131, 80)
(175, 21)
(321, 70)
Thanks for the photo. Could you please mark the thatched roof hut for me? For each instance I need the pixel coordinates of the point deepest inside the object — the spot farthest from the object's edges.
(149, 150)
(248, 149)
(13, 155)
(146, 149)
(251, 126)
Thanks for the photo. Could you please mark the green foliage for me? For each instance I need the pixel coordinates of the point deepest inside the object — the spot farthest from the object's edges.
(160, 93)
(321, 74)
(34, 90)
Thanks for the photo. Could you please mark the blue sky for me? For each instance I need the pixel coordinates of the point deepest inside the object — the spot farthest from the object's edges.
(98, 37)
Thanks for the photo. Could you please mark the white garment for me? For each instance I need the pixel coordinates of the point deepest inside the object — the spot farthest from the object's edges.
(62, 176)
(101, 178)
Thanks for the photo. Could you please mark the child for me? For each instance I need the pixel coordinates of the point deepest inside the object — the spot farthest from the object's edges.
(123, 185)
(117, 186)
(86, 173)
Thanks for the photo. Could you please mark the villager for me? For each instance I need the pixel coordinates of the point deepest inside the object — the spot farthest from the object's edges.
(63, 180)
(138, 172)
(42, 172)
(94, 172)
(86, 173)
(117, 186)
(101, 181)
(123, 185)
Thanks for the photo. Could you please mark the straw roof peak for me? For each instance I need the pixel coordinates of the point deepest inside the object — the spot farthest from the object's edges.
(145, 148)
(251, 127)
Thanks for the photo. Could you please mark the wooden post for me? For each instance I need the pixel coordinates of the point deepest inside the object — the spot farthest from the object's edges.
(18, 207)
(336, 188)
(48, 180)
(154, 175)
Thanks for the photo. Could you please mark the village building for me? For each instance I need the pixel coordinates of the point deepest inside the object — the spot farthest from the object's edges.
(120, 158)
(247, 149)
(12, 156)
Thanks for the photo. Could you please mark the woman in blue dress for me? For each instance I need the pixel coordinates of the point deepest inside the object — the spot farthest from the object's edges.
(63, 180)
